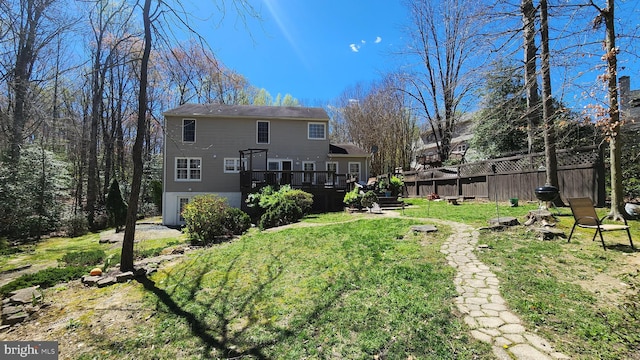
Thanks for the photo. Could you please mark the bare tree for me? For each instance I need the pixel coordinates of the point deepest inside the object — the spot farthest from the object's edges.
(380, 117)
(154, 33)
(606, 16)
(126, 255)
(442, 38)
(106, 22)
(31, 26)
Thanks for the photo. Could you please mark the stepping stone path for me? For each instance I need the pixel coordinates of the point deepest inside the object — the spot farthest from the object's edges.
(485, 311)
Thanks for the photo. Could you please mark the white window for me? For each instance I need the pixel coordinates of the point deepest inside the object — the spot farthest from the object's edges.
(316, 131)
(354, 169)
(262, 132)
(309, 171)
(332, 166)
(188, 130)
(234, 165)
(273, 165)
(188, 169)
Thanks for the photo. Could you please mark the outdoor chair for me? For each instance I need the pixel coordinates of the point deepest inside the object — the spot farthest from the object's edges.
(585, 217)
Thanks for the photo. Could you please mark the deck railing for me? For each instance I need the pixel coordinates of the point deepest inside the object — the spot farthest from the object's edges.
(297, 179)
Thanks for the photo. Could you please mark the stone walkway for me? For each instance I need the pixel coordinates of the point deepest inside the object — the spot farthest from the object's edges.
(485, 311)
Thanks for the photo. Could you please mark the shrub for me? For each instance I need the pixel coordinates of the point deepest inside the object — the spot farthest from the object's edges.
(280, 207)
(395, 185)
(204, 218)
(6, 248)
(84, 258)
(353, 198)
(45, 278)
(76, 225)
(368, 199)
(237, 221)
(208, 218)
(283, 213)
(301, 198)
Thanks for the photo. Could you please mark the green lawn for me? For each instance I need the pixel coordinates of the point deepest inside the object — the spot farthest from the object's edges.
(581, 297)
(363, 286)
(351, 290)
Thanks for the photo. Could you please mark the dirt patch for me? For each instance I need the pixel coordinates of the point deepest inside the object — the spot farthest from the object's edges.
(143, 232)
(77, 316)
(608, 286)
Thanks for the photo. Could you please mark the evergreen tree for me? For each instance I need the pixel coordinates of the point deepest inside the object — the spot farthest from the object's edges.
(501, 126)
(116, 207)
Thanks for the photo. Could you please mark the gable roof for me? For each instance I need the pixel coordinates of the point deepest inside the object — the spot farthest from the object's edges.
(249, 111)
(351, 150)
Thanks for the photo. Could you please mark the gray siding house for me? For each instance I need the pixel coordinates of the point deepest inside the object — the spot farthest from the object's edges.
(208, 149)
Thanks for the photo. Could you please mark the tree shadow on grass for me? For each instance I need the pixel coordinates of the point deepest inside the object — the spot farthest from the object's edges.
(224, 316)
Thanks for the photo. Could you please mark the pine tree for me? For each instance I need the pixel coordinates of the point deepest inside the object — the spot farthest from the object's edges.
(116, 207)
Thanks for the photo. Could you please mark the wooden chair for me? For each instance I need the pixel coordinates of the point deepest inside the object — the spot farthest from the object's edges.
(585, 216)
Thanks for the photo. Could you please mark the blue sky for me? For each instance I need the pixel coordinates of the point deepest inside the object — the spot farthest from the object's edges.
(316, 49)
(313, 50)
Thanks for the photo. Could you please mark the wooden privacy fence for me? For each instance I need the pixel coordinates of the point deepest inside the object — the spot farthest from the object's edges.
(580, 173)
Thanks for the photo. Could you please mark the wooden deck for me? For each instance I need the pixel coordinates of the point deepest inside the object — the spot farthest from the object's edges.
(327, 187)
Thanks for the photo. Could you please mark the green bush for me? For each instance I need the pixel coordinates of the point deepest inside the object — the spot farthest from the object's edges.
(283, 213)
(368, 199)
(6, 248)
(45, 278)
(76, 225)
(237, 221)
(301, 198)
(353, 198)
(84, 258)
(208, 218)
(395, 185)
(280, 207)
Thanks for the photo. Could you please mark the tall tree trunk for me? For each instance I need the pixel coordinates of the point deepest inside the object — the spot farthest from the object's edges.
(547, 104)
(617, 211)
(126, 256)
(530, 80)
(21, 74)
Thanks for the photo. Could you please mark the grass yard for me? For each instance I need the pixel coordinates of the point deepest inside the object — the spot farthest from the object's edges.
(581, 297)
(352, 286)
(353, 290)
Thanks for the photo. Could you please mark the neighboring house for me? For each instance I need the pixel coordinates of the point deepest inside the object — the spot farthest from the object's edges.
(629, 104)
(231, 150)
(426, 148)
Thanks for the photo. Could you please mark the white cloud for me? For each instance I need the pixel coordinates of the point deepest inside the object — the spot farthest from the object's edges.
(354, 47)
(378, 40)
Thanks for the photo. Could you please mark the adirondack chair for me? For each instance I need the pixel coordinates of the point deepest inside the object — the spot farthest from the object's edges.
(585, 217)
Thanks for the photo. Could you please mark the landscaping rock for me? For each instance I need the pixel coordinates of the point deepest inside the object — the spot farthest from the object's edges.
(504, 220)
(91, 280)
(124, 277)
(424, 228)
(15, 318)
(106, 281)
(26, 296)
(10, 310)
